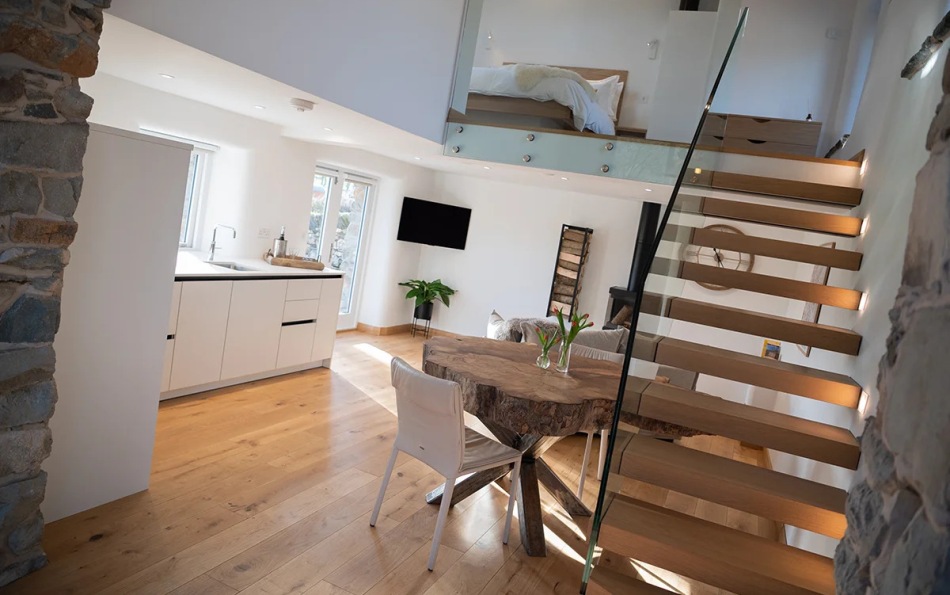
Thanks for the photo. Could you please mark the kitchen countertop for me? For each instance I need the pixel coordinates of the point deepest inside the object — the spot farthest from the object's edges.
(191, 266)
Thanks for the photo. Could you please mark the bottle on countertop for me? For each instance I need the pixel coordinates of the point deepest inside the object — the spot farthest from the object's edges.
(280, 245)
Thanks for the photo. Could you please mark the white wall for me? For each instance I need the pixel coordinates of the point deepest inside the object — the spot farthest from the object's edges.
(681, 89)
(259, 178)
(593, 33)
(393, 61)
(114, 319)
(785, 66)
(891, 124)
(508, 262)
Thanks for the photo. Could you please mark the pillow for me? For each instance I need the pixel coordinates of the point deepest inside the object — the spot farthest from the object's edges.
(598, 354)
(529, 326)
(605, 340)
(501, 329)
(607, 93)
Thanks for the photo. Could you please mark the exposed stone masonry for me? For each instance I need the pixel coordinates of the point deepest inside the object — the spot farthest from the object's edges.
(45, 45)
(898, 537)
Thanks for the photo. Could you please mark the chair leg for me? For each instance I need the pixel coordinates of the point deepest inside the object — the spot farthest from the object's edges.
(603, 454)
(440, 524)
(512, 497)
(382, 488)
(580, 482)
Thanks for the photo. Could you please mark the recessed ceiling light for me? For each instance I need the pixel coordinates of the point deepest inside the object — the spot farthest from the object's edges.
(418, 158)
(485, 167)
(165, 76)
(563, 178)
(259, 107)
(328, 129)
(649, 189)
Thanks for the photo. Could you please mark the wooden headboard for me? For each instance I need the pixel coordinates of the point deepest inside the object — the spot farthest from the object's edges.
(596, 74)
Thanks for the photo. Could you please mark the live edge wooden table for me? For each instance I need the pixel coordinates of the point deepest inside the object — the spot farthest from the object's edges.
(527, 408)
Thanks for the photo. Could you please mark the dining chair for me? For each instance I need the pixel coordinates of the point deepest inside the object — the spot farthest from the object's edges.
(431, 428)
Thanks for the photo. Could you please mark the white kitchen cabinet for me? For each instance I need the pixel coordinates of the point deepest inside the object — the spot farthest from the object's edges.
(173, 314)
(301, 310)
(296, 344)
(167, 364)
(253, 329)
(200, 333)
(304, 289)
(325, 333)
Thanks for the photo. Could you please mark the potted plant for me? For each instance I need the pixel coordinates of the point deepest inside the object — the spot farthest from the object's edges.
(568, 332)
(425, 293)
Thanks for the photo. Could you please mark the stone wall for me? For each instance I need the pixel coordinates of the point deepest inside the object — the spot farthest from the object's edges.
(45, 46)
(898, 537)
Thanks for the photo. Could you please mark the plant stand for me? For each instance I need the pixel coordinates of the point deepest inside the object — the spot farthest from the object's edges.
(421, 328)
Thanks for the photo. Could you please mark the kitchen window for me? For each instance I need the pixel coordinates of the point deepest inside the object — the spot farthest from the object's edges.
(194, 191)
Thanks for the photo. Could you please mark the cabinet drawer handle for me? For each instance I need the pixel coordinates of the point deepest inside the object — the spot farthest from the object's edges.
(296, 322)
(757, 142)
(762, 120)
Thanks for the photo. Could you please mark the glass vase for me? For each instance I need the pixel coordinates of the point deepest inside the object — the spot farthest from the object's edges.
(544, 360)
(564, 359)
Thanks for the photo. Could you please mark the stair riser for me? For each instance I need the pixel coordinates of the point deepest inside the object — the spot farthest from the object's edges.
(840, 225)
(763, 376)
(764, 326)
(750, 431)
(735, 495)
(840, 259)
(737, 579)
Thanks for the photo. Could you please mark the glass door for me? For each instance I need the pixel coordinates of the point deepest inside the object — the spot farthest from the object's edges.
(343, 199)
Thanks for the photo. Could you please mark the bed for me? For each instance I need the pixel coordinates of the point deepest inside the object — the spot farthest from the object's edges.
(572, 97)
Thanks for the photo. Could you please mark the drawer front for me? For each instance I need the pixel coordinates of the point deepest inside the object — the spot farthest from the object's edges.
(715, 125)
(301, 310)
(768, 147)
(304, 289)
(708, 140)
(296, 342)
(782, 131)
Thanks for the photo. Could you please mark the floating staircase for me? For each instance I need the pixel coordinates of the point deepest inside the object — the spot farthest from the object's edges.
(698, 549)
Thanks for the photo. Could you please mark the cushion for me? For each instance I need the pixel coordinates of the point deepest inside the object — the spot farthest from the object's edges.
(503, 330)
(607, 93)
(605, 340)
(598, 354)
(528, 326)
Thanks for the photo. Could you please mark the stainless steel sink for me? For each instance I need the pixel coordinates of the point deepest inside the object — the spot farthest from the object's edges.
(230, 265)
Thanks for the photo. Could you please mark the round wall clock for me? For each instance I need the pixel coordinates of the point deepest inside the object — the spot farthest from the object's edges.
(718, 257)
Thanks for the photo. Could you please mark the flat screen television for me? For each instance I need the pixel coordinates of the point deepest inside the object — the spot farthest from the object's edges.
(433, 223)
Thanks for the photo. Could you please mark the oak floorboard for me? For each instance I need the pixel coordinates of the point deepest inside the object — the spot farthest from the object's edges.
(267, 488)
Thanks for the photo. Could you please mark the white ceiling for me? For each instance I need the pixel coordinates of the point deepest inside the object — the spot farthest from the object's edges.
(141, 56)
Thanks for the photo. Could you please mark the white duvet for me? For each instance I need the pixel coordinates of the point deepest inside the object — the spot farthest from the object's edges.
(587, 113)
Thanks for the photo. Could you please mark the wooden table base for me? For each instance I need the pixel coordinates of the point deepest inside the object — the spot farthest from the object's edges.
(533, 471)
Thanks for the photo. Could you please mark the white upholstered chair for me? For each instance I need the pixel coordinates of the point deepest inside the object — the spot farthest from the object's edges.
(432, 429)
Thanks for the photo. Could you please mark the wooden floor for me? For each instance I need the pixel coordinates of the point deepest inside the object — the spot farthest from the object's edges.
(267, 488)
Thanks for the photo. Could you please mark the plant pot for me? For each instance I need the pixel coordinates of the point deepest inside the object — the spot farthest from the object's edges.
(423, 312)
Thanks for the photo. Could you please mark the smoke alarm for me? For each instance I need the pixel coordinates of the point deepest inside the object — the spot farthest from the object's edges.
(302, 105)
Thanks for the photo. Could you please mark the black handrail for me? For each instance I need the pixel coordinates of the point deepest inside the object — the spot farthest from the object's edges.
(638, 299)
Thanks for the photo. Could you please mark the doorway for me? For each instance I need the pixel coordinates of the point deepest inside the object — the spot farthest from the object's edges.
(339, 216)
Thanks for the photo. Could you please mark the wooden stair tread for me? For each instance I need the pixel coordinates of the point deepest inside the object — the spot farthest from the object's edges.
(711, 553)
(787, 433)
(794, 289)
(758, 371)
(819, 255)
(757, 490)
(842, 225)
(604, 581)
(765, 325)
(824, 193)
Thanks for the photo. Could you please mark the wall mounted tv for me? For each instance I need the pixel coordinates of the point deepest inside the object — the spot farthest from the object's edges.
(433, 223)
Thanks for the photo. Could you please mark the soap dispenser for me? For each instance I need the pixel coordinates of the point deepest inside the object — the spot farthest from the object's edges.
(280, 245)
